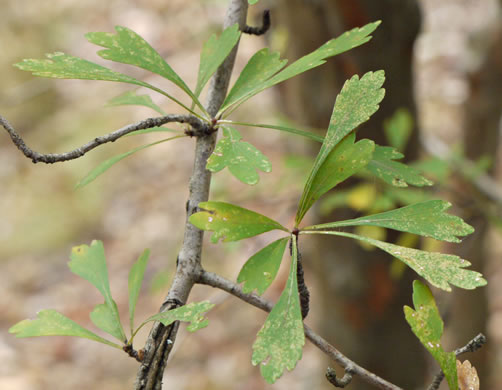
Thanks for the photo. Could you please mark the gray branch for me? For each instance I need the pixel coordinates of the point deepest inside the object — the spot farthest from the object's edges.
(199, 128)
(214, 280)
(157, 349)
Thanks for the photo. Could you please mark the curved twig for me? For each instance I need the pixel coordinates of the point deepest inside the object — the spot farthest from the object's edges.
(344, 381)
(472, 346)
(217, 281)
(200, 128)
(265, 25)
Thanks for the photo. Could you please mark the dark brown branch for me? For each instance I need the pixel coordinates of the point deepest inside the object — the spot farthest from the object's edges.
(472, 346)
(265, 25)
(344, 381)
(199, 128)
(303, 290)
(217, 281)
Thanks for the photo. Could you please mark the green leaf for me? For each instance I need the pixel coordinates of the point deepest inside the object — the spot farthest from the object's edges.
(393, 172)
(241, 158)
(193, 313)
(127, 47)
(346, 41)
(398, 128)
(89, 263)
(286, 129)
(427, 325)
(357, 101)
(260, 270)
(136, 276)
(214, 53)
(230, 222)
(105, 165)
(253, 2)
(154, 130)
(261, 66)
(425, 219)
(345, 160)
(438, 269)
(52, 323)
(131, 98)
(280, 341)
(63, 66)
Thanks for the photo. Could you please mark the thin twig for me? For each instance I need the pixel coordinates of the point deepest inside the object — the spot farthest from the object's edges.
(189, 258)
(217, 281)
(472, 346)
(339, 382)
(199, 127)
(265, 25)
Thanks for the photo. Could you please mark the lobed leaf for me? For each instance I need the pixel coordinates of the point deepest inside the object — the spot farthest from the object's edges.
(280, 341)
(357, 101)
(230, 222)
(214, 53)
(392, 172)
(131, 98)
(105, 165)
(241, 158)
(63, 66)
(438, 269)
(135, 280)
(346, 159)
(52, 323)
(425, 219)
(261, 269)
(427, 325)
(193, 313)
(128, 47)
(89, 263)
(346, 41)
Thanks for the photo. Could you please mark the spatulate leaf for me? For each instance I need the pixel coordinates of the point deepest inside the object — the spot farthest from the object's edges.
(393, 172)
(261, 269)
(128, 47)
(427, 325)
(241, 158)
(52, 323)
(357, 101)
(89, 263)
(214, 53)
(438, 269)
(280, 341)
(193, 313)
(427, 219)
(230, 222)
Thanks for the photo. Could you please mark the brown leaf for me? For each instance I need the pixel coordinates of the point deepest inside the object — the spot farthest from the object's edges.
(467, 376)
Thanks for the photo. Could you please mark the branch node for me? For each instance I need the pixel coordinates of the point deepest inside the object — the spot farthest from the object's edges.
(344, 381)
(265, 25)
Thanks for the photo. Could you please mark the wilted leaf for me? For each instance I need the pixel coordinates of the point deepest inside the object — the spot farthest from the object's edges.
(136, 276)
(131, 98)
(439, 269)
(357, 101)
(89, 263)
(193, 313)
(280, 341)
(427, 325)
(467, 376)
(127, 47)
(241, 158)
(398, 128)
(214, 53)
(392, 172)
(425, 219)
(346, 41)
(52, 323)
(344, 161)
(105, 165)
(261, 268)
(230, 222)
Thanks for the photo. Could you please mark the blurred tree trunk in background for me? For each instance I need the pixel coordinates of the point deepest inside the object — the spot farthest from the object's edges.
(361, 305)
